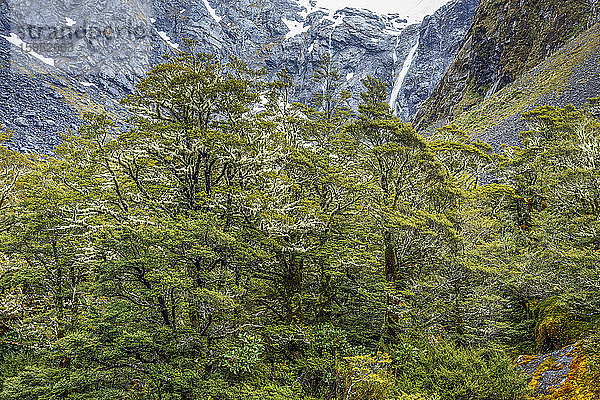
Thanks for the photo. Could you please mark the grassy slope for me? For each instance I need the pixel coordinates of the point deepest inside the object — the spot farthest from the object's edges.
(508, 38)
(570, 75)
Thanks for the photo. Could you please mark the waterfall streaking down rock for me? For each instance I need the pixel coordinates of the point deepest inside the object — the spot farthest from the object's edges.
(402, 76)
(441, 36)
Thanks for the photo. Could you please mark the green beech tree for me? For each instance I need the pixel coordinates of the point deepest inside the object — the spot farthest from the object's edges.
(556, 207)
(411, 203)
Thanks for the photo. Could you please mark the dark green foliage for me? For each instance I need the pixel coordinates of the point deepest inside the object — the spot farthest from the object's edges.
(437, 367)
(230, 245)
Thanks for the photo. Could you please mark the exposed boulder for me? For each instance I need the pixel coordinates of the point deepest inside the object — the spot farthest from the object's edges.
(570, 373)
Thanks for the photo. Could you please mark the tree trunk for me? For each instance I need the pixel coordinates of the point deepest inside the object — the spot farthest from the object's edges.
(292, 288)
(325, 296)
(391, 275)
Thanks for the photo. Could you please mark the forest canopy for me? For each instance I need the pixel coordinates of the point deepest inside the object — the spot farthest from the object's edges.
(223, 242)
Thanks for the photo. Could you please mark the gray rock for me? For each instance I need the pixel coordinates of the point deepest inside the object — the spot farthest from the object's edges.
(440, 38)
(553, 376)
(21, 121)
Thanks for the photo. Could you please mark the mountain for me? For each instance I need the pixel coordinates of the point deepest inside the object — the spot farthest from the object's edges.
(516, 55)
(440, 38)
(62, 59)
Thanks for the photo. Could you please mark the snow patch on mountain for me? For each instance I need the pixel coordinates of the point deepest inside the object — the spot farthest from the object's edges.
(413, 10)
(167, 39)
(295, 28)
(309, 9)
(212, 11)
(17, 41)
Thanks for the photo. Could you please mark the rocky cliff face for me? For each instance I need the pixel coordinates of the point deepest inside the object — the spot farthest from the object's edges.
(61, 59)
(440, 38)
(570, 75)
(507, 39)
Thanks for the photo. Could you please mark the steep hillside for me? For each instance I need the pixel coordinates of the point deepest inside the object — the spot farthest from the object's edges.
(570, 76)
(507, 39)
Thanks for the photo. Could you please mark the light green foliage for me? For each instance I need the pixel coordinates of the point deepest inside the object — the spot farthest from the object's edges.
(410, 203)
(244, 356)
(367, 376)
(566, 319)
(555, 180)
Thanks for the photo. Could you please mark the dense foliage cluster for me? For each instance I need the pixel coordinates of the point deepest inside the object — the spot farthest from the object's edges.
(223, 243)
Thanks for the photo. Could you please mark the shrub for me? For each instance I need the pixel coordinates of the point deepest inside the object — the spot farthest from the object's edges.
(245, 355)
(563, 320)
(367, 377)
(441, 369)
